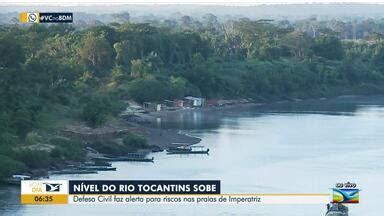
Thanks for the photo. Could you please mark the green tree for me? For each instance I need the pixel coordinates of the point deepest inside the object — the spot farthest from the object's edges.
(378, 57)
(96, 110)
(134, 142)
(149, 89)
(328, 47)
(298, 44)
(11, 52)
(97, 53)
(178, 87)
(9, 166)
(139, 68)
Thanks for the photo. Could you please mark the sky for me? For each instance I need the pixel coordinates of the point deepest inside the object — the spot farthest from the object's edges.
(202, 2)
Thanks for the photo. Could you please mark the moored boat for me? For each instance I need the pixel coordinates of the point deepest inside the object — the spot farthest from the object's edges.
(97, 168)
(188, 150)
(132, 159)
(71, 171)
(16, 179)
(97, 163)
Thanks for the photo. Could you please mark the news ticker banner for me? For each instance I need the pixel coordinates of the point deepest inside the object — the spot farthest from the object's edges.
(46, 17)
(162, 192)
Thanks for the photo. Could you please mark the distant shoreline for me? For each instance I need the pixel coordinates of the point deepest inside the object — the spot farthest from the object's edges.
(153, 115)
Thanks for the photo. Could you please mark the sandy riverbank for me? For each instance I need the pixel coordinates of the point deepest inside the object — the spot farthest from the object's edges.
(165, 138)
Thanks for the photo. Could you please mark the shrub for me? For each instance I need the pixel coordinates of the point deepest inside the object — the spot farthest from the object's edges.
(135, 142)
(109, 147)
(33, 138)
(33, 158)
(9, 166)
(95, 110)
(67, 149)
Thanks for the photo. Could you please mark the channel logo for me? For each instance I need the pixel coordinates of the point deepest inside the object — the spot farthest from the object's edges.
(350, 195)
(52, 187)
(37, 17)
(27, 17)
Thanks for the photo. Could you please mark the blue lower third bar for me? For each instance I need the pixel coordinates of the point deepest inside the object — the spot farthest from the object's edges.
(144, 187)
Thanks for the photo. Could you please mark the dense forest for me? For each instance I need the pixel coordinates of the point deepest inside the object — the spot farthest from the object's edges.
(51, 75)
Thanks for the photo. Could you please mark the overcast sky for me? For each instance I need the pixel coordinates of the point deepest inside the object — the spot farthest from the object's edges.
(209, 2)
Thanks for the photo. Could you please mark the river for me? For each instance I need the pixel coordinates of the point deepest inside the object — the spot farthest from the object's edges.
(302, 147)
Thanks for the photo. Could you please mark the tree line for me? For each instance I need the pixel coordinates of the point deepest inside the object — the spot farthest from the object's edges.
(54, 74)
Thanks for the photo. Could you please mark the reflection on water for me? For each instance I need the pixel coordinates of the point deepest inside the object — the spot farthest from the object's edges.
(195, 119)
(285, 148)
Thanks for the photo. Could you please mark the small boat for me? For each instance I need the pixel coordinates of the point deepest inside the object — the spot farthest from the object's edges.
(140, 155)
(71, 171)
(97, 163)
(97, 168)
(16, 179)
(188, 150)
(130, 159)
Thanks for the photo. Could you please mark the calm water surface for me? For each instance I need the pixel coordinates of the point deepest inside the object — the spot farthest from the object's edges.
(301, 147)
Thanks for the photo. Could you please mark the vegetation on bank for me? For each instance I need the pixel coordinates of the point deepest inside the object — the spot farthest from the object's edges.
(52, 75)
(23, 158)
(130, 143)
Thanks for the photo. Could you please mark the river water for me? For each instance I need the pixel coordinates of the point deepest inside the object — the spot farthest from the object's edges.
(302, 147)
